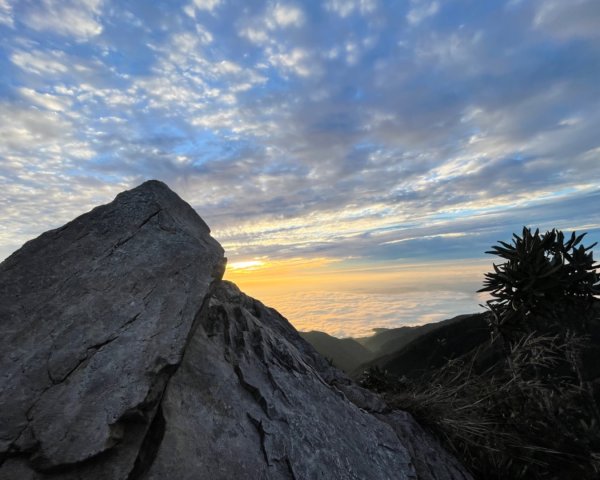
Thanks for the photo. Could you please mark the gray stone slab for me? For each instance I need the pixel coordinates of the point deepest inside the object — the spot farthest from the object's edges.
(94, 316)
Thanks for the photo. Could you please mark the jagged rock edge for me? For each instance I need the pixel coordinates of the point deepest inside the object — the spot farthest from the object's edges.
(157, 424)
(140, 412)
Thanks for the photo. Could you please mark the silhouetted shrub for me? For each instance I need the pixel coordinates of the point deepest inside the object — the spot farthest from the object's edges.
(546, 283)
(524, 405)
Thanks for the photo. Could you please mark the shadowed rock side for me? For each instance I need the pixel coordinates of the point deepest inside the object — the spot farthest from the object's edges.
(257, 408)
(94, 317)
(125, 357)
(252, 399)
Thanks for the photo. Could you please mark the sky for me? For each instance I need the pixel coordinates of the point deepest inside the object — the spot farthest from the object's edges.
(355, 158)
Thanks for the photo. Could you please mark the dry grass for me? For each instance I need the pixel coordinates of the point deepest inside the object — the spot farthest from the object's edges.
(530, 415)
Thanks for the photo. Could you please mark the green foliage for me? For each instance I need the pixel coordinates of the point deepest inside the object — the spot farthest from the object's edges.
(546, 283)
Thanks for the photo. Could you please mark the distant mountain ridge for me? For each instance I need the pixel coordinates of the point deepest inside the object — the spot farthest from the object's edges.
(354, 355)
(430, 346)
(389, 340)
(345, 353)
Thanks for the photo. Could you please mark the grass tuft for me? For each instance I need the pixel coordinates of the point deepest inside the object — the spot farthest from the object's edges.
(528, 415)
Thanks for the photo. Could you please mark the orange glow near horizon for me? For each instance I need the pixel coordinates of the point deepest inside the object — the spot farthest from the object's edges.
(346, 299)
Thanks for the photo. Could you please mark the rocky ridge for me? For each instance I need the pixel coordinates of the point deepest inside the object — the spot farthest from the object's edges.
(123, 355)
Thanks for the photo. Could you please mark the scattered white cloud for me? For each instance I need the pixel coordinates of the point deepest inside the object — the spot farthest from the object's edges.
(46, 100)
(352, 53)
(260, 29)
(296, 61)
(346, 7)
(420, 10)
(455, 50)
(204, 35)
(575, 18)
(209, 5)
(202, 89)
(6, 13)
(203, 5)
(30, 127)
(41, 62)
(285, 16)
(255, 35)
(293, 136)
(75, 18)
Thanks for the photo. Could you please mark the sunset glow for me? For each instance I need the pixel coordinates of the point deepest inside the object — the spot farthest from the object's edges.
(354, 158)
(346, 299)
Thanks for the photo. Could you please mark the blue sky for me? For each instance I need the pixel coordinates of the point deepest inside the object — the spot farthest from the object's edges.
(362, 132)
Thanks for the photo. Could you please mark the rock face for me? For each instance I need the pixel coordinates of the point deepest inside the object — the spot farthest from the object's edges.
(124, 356)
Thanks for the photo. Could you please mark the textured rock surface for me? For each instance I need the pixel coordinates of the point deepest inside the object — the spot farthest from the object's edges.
(94, 317)
(256, 407)
(124, 357)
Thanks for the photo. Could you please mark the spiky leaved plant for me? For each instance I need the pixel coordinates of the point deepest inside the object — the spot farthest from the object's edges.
(546, 283)
(523, 406)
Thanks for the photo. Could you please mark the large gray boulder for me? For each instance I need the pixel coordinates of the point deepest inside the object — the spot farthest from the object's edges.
(124, 356)
(94, 318)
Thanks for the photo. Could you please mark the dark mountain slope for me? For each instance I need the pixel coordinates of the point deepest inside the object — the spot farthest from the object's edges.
(345, 353)
(387, 341)
(432, 349)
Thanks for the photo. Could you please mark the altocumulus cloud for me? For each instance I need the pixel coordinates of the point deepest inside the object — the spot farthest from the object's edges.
(363, 129)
